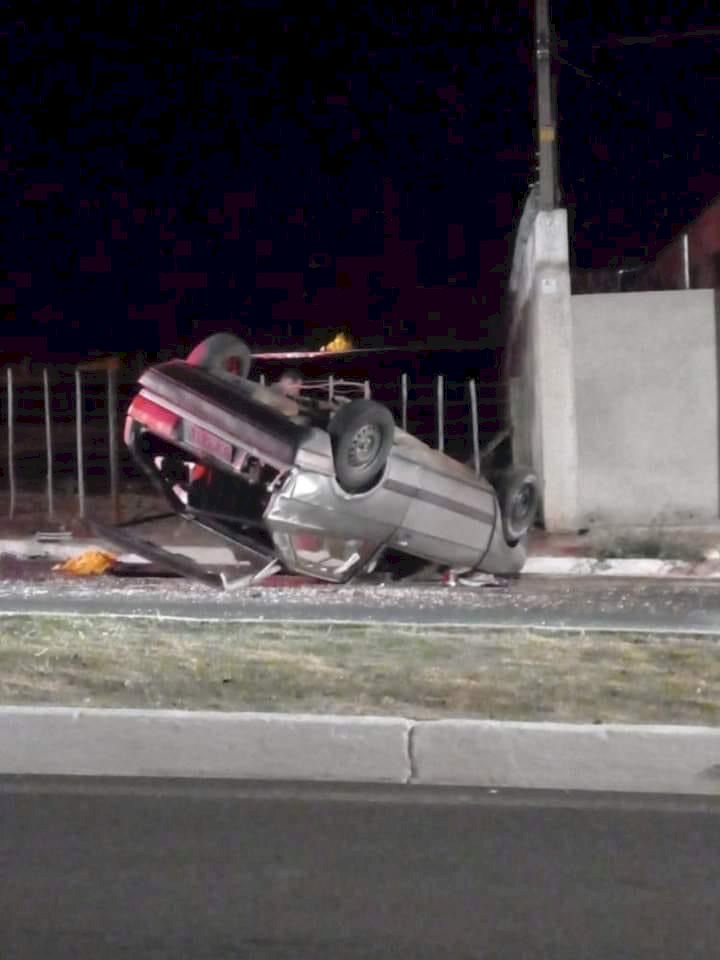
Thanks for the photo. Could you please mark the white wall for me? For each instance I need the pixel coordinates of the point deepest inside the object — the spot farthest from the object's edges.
(646, 394)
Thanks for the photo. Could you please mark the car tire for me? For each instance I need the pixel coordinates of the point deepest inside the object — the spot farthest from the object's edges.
(519, 502)
(362, 434)
(216, 352)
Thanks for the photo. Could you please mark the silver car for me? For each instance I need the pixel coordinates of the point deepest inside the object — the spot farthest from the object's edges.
(325, 486)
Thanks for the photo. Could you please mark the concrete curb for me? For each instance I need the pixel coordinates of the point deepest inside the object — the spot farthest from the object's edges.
(207, 745)
(623, 758)
(251, 746)
(560, 566)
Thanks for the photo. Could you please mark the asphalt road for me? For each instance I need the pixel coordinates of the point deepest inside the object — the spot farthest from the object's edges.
(573, 603)
(214, 872)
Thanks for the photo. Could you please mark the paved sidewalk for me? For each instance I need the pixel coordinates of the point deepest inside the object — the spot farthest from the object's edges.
(690, 551)
(560, 557)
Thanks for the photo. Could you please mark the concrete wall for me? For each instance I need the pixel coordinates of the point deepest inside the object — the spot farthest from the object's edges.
(646, 393)
(540, 350)
(613, 396)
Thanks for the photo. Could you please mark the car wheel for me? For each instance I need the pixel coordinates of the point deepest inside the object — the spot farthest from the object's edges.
(519, 501)
(362, 434)
(222, 353)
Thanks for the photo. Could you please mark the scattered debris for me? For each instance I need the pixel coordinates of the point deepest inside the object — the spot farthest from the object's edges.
(454, 578)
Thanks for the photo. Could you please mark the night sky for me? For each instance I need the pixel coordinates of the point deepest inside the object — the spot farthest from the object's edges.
(249, 166)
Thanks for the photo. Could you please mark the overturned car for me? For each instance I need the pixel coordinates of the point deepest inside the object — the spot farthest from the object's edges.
(323, 484)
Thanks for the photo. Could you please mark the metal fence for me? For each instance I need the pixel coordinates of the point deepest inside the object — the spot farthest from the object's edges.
(673, 269)
(61, 430)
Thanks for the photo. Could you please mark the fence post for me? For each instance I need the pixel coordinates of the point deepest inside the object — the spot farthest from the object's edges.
(686, 260)
(112, 401)
(48, 444)
(475, 426)
(11, 440)
(331, 388)
(79, 441)
(366, 390)
(404, 391)
(441, 412)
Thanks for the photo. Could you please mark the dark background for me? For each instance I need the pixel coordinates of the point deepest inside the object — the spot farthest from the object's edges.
(289, 171)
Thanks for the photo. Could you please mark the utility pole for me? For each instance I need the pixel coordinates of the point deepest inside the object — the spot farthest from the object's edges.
(547, 151)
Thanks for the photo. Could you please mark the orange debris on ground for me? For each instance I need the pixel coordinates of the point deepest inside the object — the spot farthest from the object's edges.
(92, 563)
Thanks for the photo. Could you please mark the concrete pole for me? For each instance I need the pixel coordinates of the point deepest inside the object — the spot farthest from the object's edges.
(547, 154)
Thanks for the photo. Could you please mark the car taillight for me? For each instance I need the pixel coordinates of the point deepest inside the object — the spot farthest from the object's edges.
(157, 419)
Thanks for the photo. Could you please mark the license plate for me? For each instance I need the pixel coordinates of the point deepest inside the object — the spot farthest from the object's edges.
(204, 440)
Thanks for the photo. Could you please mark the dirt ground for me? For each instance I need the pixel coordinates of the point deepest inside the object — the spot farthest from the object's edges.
(416, 672)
